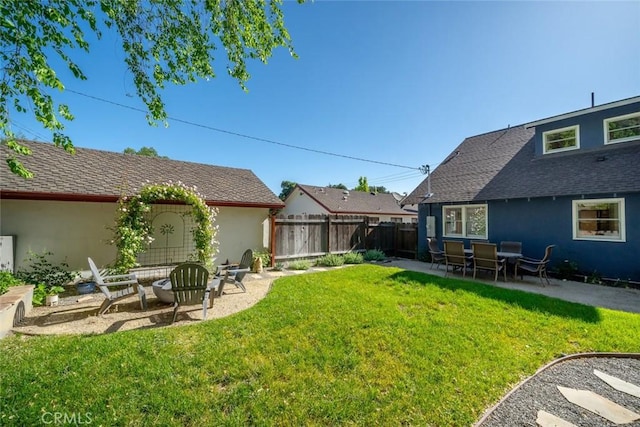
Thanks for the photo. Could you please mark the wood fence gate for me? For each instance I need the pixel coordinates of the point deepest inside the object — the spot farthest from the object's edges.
(317, 235)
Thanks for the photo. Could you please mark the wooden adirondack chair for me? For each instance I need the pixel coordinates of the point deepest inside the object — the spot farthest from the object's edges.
(234, 274)
(117, 287)
(190, 285)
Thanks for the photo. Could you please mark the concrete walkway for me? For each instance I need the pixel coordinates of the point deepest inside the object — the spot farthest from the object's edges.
(585, 293)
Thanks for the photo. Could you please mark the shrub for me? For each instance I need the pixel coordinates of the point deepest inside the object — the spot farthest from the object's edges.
(353, 258)
(264, 255)
(374, 255)
(330, 260)
(278, 267)
(7, 279)
(301, 264)
(42, 271)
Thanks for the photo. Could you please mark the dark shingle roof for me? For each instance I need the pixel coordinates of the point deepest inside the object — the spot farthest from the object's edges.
(503, 165)
(607, 169)
(95, 174)
(471, 166)
(355, 202)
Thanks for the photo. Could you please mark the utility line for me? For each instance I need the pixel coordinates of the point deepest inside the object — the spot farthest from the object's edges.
(241, 135)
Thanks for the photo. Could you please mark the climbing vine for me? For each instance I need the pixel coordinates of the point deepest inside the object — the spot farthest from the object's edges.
(133, 230)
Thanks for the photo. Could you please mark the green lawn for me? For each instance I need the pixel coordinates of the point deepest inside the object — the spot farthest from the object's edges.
(364, 345)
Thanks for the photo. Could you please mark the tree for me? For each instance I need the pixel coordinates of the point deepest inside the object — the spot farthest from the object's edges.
(362, 184)
(144, 151)
(379, 189)
(340, 186)
(163, 41)
(287, 188)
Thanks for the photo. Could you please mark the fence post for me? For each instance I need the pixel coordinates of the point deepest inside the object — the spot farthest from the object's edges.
(329, 233)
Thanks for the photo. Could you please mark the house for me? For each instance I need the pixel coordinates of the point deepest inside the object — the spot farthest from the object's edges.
(571, 180)
(68, 207)
(307, 200)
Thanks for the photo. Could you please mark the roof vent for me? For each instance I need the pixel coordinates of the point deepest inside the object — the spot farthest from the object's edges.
(344, 197)
(345, 192)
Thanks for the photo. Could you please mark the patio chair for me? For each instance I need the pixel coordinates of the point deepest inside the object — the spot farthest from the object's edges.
(190, 285)
(437, 255)
(117, 287)
(234, 274)
(485, 257)
(536, 266)
(455, 257)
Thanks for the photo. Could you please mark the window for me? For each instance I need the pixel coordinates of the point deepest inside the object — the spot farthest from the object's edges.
(465, 221)
(601, 219)
(622, 129)
(396, 219)
(561, 139)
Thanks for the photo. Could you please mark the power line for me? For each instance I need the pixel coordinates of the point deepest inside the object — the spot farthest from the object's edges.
(241, 135)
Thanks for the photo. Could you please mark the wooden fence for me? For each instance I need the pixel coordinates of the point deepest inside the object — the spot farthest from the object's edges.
(317, 235)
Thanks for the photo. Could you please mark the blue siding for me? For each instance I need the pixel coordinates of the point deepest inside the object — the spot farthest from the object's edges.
(591, 126)
(548, 221)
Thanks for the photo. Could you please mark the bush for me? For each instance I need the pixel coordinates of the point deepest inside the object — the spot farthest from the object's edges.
(264, 255)
(330, 260)
(353, 258)
(374, 255)
(7, 279)
(302, 264)
(41, 270)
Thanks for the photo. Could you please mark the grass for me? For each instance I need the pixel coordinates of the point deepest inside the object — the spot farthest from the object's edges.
(365, 345)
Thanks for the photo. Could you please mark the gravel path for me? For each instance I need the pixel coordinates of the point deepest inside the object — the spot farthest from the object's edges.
(540, 392)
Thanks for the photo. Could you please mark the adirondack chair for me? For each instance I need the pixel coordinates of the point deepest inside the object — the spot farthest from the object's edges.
(234, 274)
(117, 287)
(189, 283)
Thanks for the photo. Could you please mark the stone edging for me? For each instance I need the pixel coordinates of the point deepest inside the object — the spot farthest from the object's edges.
(488, 412)
(14, 305)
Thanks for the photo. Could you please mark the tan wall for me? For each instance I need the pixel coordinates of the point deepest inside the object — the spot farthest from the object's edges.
(301, 204)
(240, 229)
(71, 230)
(75, 230)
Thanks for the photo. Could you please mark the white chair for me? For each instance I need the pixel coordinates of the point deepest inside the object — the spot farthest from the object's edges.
(126, 284)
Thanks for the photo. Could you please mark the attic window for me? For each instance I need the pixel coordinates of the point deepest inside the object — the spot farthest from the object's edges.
(561, 139)
(622, 128)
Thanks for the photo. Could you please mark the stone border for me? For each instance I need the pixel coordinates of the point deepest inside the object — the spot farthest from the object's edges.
(14, 306)
(490, 411)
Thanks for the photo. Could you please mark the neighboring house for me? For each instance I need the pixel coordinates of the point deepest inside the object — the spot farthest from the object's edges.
(572, 180)
(379, 207)
(68, 207)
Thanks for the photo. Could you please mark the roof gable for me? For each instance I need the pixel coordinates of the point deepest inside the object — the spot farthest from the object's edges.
(471, 166)
(338, 201)
(103, 175)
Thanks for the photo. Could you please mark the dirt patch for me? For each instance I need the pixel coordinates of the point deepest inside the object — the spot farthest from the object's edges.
(73, 317)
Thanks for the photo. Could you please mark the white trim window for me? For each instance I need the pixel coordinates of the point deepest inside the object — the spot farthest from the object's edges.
(622, 128)
(468, 221)
(564, 139)
(599, 219)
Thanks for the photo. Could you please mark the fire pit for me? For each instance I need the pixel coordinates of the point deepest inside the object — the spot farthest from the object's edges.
(162, 290)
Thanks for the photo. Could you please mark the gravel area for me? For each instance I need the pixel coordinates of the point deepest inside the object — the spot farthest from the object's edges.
(540, 392)
(73, 317)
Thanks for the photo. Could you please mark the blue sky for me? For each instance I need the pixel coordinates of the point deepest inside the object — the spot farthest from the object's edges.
(393, 82)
